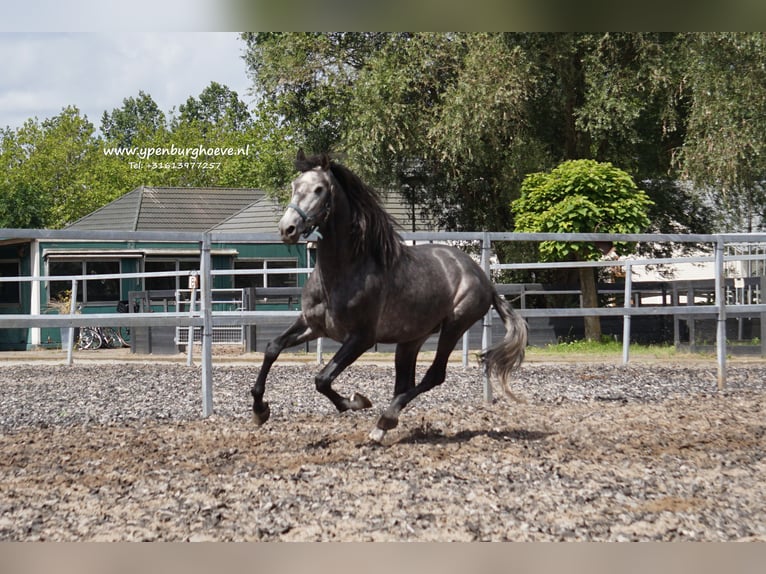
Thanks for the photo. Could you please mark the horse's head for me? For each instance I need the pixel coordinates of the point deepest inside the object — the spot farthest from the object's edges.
(310, 202)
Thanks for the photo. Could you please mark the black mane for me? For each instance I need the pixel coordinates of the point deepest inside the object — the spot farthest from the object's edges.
(372, 228)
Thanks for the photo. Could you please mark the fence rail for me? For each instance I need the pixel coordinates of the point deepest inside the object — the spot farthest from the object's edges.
(206, 318)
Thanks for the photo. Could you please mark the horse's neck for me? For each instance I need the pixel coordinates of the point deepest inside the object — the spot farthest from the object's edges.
(335, 254)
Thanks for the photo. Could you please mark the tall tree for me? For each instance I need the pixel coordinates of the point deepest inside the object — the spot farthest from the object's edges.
(217, 105)
(455, 120)
(59, 155)
(308, 77)
(21, 204)
(139, 118)
(395, 102)
(51, 172)
(724, 151)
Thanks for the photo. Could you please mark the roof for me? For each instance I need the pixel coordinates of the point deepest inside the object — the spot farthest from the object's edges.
(216, 208)
(259, 217)
(264, 215)
(169, 209)
(404, 212)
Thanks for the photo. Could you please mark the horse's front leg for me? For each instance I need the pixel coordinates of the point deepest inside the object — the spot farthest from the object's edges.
(298, 332)
(349, 352)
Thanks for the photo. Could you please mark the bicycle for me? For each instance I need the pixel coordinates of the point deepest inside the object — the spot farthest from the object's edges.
(92, 338)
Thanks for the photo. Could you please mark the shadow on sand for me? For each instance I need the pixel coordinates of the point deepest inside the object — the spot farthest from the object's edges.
(427, 434)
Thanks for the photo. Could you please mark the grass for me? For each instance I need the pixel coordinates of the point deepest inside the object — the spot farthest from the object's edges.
(600, 348)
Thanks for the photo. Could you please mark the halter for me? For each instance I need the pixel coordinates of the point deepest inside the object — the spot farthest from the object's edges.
(303, 214)
(311, 227)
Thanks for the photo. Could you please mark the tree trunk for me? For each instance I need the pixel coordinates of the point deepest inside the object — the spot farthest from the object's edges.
(590, 300)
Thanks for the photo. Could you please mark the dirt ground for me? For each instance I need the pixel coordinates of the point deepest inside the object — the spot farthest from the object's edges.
(595, 452)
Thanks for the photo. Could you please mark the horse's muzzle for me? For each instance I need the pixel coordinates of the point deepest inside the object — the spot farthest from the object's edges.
(290, 235)
(290, 228)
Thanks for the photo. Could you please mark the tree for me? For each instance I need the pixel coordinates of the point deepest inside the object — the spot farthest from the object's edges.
(217, 105)
(455, 120)
(270, 161)
(581, 196)
(49, 178)
(138, 118)
(724, 151)
(217, 118)
(308, 78)
(394, 104)
(21, 205)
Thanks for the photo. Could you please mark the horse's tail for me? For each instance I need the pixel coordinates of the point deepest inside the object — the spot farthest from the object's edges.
(506, 355)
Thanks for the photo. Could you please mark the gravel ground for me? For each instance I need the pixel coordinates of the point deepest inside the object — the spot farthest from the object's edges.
(585, 452)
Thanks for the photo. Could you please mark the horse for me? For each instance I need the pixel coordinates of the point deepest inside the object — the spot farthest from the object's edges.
(369, 287)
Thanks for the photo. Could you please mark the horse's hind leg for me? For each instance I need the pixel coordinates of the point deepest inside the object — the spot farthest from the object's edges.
(435, 376)
(298, 332)
(406, 361)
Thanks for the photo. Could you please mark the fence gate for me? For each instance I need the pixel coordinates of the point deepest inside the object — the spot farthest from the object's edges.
(223, 300)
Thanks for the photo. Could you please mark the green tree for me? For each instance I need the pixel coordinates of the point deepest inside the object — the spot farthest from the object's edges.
(21, 204)
(271, 152)
(581, 196)
(455, 120)
(138, 119)
(394, 103)
(308, 78)
(217, 105)
(49, 179)
(724, 152)
(219, 119)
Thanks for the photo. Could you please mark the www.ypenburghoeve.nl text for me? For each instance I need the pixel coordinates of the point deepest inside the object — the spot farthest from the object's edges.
(174, 151)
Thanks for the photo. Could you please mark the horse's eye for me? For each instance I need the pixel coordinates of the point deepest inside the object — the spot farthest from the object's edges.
(319, 190)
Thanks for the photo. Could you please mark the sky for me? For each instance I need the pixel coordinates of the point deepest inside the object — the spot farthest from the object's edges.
(43, 72)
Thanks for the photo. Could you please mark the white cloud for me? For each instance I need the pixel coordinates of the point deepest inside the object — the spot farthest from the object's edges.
(43, 72)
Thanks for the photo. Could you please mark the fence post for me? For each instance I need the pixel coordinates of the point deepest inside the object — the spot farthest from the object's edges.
(762, 300)
(206, 306)
(486, 336)
(465, 349)
(691, 321)
(190, 331)
(72, 309)
(626, 318)
(720, 297)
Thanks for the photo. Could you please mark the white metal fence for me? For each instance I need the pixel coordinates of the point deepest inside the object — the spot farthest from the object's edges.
(207, 319)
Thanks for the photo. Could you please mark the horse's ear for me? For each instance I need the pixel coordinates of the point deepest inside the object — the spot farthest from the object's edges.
(325, 162)
(301, 156)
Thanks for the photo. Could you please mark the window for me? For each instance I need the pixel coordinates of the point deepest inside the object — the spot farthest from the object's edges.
(10, 292)
(261, 280)
(96, 290)
(170, 283)
(102, 289)
(281, 279)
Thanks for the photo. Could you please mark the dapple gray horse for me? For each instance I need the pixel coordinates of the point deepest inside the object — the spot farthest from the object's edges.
(369, 287)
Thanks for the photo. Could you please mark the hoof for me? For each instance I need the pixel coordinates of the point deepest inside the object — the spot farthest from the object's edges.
(386, 423)
(359, 402)
(377, 434)
(262, 415)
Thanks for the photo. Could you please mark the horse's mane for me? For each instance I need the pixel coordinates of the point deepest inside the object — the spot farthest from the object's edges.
(372, 228)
